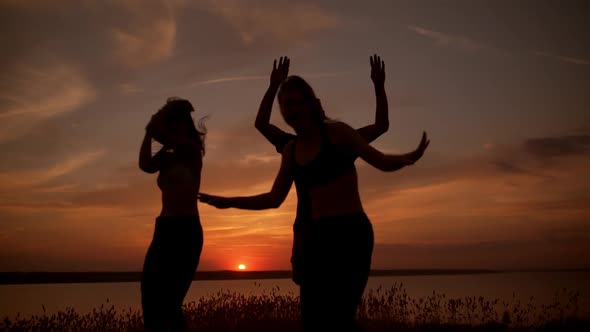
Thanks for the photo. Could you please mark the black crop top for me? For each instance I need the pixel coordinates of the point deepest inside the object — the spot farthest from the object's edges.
(331, 162)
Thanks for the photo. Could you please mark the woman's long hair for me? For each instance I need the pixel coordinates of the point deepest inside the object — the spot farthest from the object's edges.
(297, 83)
(179, 110)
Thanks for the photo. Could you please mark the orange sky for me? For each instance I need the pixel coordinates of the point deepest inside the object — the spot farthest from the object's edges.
(502, 95)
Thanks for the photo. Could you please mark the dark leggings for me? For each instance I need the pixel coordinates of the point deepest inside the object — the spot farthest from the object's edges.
(332, 261)
(169, 268)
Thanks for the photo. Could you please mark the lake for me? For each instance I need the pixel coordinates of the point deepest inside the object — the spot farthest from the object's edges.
(29, 299)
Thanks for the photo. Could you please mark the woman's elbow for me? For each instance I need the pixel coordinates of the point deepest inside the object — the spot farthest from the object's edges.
(261, 126)
(276, 203)
(147, 168)
(276, 200)
(382, 127)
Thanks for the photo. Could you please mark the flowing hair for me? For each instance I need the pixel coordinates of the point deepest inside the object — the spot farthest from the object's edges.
(179, 110)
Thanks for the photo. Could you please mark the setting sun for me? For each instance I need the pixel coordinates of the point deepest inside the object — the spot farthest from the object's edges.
(241, 267)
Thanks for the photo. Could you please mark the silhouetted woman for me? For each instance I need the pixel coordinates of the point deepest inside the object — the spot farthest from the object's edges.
(279, 138)
(338, 239)
(173, 255)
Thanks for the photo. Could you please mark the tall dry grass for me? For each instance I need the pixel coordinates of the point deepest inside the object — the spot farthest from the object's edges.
(381, 310)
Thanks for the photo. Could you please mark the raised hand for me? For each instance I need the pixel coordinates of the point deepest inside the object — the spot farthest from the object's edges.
(154, 126)
(280, 72)
(154, 122)
(415, 155)
(377, 70)
(216, 201)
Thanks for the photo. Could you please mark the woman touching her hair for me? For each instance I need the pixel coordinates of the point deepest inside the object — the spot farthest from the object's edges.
(173, 255)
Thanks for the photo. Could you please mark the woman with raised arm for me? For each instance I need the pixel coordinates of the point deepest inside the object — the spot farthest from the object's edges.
(337, 235)
(279, 138)
(175, 250)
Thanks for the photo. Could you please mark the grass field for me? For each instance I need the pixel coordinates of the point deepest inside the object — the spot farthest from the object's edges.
(381, 310)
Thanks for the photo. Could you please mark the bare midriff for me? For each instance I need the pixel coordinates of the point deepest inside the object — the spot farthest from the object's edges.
(180, 201)
(336, 198)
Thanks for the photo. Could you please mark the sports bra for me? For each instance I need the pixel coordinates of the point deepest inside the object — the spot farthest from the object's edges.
(331, 162)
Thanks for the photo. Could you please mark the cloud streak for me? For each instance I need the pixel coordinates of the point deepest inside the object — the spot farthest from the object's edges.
(468, 44)
(280, 21)
(35, 94)
(12, 180)
(449, 40)
(146, 43)
(230, 79)
(265, 77)
(571, 60)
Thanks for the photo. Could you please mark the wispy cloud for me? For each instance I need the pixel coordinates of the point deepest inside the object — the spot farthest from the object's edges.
(469, 44)
(37, 94)
(280, 21)
(148, 35)
(147, 43)
(66, 188)
(231, 79)
(265, 77)
(260, 158)
(27, 178)
(449, 40)
(572, 60)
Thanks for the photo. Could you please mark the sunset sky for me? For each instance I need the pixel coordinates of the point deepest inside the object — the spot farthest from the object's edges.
(501, 87)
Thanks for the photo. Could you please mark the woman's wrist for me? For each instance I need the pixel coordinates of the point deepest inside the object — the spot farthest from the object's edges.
(410, 158)
(379, 86)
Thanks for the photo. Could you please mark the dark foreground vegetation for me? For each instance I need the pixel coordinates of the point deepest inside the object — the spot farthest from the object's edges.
(382, 310)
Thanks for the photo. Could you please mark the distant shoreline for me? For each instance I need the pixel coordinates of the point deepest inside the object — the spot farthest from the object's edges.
(17, 278)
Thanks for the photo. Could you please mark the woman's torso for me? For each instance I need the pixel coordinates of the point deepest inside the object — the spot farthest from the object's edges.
(179, 180)
(325, 177)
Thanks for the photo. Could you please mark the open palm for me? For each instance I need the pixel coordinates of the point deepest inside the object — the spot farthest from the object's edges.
(377, 69)
(216, 201)
(279, 73)
(415, 155)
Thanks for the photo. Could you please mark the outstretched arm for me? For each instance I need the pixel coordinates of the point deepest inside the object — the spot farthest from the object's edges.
(272, 133)
(371, 132)
(272, 199)
(349, 138)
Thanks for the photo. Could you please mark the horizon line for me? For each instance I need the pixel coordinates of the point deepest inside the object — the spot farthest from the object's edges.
(20, 278)
(525, 269)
